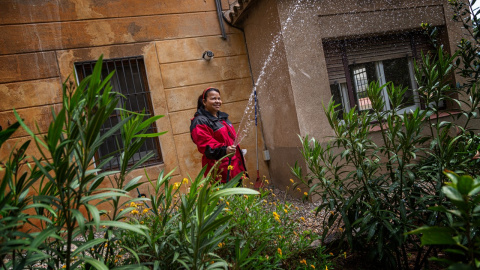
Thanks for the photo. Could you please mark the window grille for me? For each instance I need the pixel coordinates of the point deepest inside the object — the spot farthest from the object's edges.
(353, 63)
(129, 79)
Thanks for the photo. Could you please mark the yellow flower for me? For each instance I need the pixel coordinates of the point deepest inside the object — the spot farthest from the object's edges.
(266, 181)
(312, 266)
(146, 210)
(273, 194)
(115, 261)
(286, 211)
(305, 193)
(64, 266)
(133, 212)
(228, 204)
(185, 181)
(340, 229)
(279, 251)
(132, 204)
(303, 261)
(220, 245)
(121, 209)
(299, 190)
(176, 185)
(291, 181)
(141, 222)
(296, 208)
(326, 267)
(302, 219)
(230, 167)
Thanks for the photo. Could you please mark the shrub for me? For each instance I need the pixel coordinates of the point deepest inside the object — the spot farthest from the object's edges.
(372, 194)
(462, 229)
(184, 229)
(265, 234)
(66, 195)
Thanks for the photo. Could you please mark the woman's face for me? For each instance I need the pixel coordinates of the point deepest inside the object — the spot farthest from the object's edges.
(212, 102)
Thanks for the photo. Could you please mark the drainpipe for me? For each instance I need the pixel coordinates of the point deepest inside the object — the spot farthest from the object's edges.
(218, 3)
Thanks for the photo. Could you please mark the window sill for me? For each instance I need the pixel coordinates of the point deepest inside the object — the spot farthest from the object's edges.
(441, 115)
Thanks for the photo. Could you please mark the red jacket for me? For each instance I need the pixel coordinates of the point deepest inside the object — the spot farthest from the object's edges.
(212, 135)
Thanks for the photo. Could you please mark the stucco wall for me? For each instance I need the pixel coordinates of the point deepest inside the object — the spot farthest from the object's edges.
(40, 41)
(301, 67)
(279, 116)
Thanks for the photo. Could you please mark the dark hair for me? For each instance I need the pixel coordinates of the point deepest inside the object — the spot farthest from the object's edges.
(204, 95)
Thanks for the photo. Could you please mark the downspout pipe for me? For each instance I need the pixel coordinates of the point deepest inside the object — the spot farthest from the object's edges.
(218, 3)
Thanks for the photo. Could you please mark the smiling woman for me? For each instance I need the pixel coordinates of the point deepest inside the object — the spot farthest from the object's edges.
(214, 136)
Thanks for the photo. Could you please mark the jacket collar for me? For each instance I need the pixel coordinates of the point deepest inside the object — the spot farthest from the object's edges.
(221, 115)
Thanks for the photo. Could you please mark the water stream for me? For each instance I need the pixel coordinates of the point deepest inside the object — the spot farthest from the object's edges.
(248, 118)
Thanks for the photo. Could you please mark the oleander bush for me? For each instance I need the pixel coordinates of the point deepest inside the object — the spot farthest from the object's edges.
(374, 192)
(265, 233)
(51, 205)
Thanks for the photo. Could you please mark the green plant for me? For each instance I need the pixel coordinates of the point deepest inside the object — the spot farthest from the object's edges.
(462, 229)
(374, 191)
(67, 194)
(15, 202)
(184, 228)
(263, 234)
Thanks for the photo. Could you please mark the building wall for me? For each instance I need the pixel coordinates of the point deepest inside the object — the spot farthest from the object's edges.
(40, 41)
(275, 90)
(301, 66)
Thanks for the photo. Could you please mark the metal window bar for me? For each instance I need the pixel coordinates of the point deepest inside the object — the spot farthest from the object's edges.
(361, 85)
(134, 86)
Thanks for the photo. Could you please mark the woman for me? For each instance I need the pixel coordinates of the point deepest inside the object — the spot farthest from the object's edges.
(214, 136)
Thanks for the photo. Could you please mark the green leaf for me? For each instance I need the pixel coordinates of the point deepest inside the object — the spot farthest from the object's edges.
(5, 134)
(88, 245)
(435, 235)
(140, 229)
(132, 267)
(96, 264)
(452, 193)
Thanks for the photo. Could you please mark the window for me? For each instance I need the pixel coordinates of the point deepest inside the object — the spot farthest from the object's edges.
(352, 64)
(129, 79)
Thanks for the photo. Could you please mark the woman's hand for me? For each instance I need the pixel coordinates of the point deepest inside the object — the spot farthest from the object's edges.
(231, 149)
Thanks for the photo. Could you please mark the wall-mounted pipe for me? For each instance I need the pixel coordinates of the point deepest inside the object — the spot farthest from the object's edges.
(218, 3)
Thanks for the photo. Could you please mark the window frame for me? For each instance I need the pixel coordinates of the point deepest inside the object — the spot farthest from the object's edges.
(145, 93)
(346, 89)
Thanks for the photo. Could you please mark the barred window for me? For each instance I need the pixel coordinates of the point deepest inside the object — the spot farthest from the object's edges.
(353, 63)
(129, 79)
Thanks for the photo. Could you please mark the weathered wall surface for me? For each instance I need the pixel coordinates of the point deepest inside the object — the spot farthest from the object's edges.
(40, 41)
(279, 115)
(299, 69)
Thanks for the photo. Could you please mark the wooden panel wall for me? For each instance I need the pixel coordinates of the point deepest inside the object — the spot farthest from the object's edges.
(40, 41)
